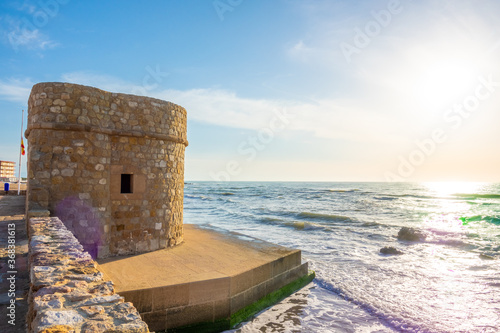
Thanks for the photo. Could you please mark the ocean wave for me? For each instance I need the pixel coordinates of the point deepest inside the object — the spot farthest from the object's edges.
(385, 198)
(367, 192)
(477, 196)
(479, 268)
(476, 218)
(440, 237)
(227, 193)
(443, 233)
(324, 217)
(488, 256)
(304, 225)
(297, 225)
(373, 224)
(262, 195)
(200, 197)
(416, 196)
(271, 220)
(225, 200)
(492, 219)
(316, 196)
(342, 191)
(458, 243)
(386, 319)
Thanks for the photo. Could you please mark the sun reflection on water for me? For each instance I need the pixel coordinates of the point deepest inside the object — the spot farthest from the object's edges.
(448, 208)
(447, 189)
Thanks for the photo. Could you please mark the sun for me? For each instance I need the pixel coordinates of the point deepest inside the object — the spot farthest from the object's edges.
(440, 84)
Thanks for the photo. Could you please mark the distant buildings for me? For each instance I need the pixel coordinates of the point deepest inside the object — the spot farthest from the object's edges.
(7, 170)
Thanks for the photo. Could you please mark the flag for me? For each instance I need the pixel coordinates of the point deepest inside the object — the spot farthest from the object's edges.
(22, 147)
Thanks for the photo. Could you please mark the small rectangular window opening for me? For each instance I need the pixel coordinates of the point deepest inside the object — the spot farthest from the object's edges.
(126, 184)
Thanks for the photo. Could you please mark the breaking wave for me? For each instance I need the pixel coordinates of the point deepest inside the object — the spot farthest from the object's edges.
(325, 217)
(476, 218)
(478, 196)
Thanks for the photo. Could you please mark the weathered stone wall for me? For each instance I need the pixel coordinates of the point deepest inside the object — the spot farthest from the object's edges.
(67, 291)
(82, 140)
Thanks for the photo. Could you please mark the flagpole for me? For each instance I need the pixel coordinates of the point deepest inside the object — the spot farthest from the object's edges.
(20, 157)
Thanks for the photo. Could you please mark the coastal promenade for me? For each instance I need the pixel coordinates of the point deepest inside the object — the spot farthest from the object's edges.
(12, 223)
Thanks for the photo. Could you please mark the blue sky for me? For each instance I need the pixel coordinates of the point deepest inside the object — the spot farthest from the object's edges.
(281, 90)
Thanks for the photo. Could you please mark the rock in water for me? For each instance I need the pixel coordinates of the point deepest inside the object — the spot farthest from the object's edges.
(390, 250)
(486, 257)
(411, 234)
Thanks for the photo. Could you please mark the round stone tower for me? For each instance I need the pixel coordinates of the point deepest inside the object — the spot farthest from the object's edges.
(110, 165)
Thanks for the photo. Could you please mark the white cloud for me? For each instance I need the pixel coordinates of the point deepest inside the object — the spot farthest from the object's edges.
(332, 119)
(30, 39)
(206, 105)
(19, 34)
(15, 90)
(327, 118)
(224, 108)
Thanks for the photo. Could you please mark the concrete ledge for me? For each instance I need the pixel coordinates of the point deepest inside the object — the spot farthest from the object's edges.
(209, 283)
(249, 311)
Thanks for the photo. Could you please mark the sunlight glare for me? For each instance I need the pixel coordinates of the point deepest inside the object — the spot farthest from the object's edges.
(447, 212)
(446, 189)
(443, 83)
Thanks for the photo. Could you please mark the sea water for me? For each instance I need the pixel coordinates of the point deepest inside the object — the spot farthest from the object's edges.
(449, 282)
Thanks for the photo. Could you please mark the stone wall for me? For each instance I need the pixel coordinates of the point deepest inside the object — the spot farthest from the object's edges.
(110, 165)
(67, 291)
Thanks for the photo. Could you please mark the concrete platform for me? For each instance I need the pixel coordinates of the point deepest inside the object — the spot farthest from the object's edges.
(211, 281)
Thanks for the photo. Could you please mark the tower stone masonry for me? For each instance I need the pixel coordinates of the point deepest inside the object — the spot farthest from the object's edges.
(109, 165)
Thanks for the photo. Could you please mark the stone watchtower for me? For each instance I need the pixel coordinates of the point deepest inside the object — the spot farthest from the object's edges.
(110, 166)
